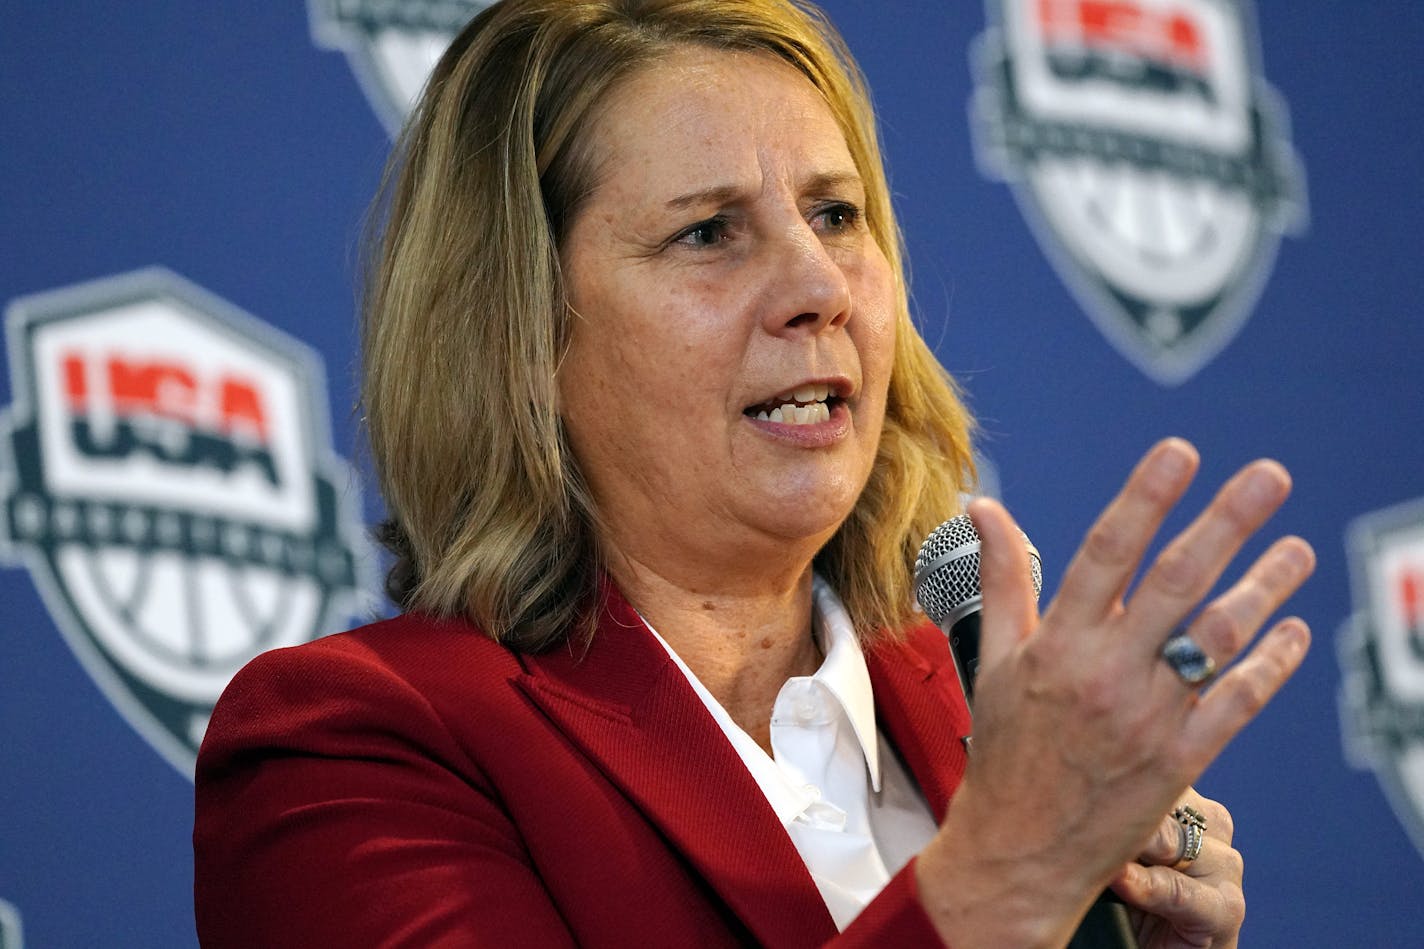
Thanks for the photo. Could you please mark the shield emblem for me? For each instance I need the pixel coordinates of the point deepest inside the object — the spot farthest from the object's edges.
(171, 487)
(11, 934)
(1150, 158)
(391, 46)
(1382, 658)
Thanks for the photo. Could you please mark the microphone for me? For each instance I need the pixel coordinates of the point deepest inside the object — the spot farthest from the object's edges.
(947, 586)
(948, 590)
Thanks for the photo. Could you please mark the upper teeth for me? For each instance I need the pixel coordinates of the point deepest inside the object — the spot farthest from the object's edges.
(812, 409)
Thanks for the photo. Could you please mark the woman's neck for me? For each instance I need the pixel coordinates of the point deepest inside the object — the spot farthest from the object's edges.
(742, 643)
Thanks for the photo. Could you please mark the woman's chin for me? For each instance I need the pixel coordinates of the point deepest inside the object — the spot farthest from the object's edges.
(809, 516)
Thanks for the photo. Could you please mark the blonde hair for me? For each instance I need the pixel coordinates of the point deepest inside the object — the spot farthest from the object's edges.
(465, 319)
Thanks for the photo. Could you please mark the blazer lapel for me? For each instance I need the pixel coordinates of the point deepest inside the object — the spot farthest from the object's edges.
(921, 709)
(630, 709)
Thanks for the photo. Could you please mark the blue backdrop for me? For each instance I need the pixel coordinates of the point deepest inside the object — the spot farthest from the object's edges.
(231, 145)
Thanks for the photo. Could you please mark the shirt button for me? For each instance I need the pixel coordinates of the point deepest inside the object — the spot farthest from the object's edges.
(812, 790)
(805, 711)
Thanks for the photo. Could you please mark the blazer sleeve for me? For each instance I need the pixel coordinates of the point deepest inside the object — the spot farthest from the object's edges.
(333, 808)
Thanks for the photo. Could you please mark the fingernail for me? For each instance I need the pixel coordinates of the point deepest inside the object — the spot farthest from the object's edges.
(1173, 459)
(1263, 486)
(1300, 558)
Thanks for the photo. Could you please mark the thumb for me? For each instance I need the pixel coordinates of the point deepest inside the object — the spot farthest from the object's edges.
(1010, 608)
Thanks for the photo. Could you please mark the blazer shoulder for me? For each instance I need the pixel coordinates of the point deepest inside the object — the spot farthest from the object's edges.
(425, 678)
(411, 648)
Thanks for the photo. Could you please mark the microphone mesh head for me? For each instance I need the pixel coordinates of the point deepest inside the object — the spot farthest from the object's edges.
(947, 571)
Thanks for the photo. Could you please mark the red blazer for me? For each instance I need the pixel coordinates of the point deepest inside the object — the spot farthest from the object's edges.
(413, 783)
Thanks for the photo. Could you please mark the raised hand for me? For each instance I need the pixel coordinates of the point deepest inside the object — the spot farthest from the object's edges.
(1084, 735)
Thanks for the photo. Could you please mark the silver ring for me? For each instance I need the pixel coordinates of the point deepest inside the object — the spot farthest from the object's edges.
(1188, 661)
(1193, 825)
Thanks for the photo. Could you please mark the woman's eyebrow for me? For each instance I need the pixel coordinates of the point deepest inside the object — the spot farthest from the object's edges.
(717, 194)
(722, 194)
(832, 181)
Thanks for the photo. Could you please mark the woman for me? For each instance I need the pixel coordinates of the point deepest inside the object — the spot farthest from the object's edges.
(658, 442)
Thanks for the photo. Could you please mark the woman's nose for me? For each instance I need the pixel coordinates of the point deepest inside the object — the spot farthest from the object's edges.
(811, 292)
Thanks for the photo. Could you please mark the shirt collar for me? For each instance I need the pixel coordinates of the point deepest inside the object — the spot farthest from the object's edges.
(844, 672)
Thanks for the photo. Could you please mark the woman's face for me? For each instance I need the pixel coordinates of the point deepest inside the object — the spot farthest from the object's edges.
(725, 383)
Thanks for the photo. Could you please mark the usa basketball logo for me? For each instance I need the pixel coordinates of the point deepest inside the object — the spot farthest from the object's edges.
(172, 489)
(1382, 657)
(1149, 156)
(11, 933)
(391, 45)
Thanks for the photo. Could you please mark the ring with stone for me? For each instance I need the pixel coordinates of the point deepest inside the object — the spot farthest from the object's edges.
(1193, 826)
(1188, 661)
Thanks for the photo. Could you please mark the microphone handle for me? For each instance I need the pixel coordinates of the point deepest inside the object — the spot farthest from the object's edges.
(1106, 925)
(964, 646)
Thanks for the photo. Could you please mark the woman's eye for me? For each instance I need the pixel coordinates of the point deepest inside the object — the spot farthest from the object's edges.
(839, 217)
(704, 234)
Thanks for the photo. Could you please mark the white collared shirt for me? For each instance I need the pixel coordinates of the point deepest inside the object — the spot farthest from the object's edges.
(851, 809)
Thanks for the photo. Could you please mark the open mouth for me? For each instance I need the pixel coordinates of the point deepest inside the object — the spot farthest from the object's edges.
(807, 405)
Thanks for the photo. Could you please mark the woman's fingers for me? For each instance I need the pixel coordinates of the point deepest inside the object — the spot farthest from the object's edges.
(1010, 610)
(1189, 566)
(1230, 622)
(1242, 691)
(1193, 902)
(1166, 846)
(1168, 842)
(1100, 571)
(1200, 908)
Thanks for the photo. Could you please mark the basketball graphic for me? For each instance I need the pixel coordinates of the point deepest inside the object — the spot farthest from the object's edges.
(1150, 158)
(172, 489)
(1382, 658)
(392, 46)
(11, 933)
